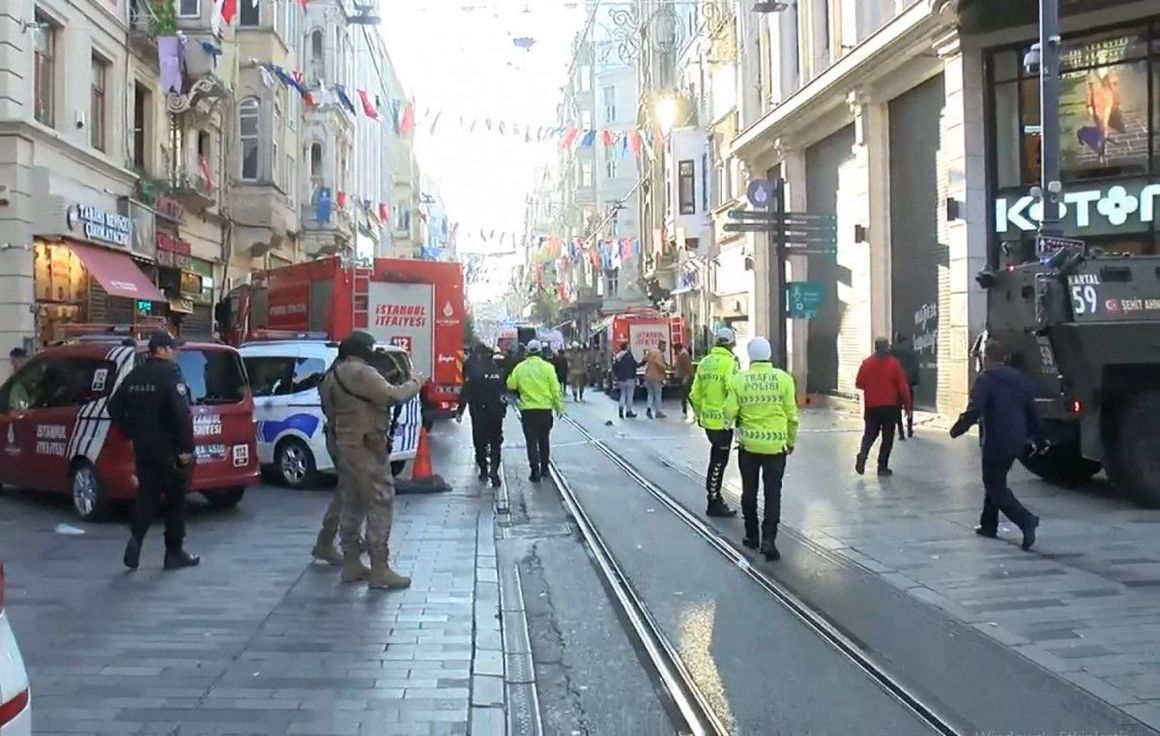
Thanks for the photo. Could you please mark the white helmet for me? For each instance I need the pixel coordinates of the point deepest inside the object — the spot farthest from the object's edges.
(725, 336)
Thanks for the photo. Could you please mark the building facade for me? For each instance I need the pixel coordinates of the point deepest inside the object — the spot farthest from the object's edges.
(916, 126)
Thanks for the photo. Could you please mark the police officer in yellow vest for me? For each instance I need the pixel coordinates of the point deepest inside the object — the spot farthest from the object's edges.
(707, 397)
(534, 380)
(762, 403)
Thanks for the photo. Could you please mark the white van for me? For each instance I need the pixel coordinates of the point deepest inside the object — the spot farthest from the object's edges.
(284, 376)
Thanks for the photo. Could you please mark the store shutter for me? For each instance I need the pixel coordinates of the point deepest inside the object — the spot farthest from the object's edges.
(919, 264)
(826, 352)
(199, 323)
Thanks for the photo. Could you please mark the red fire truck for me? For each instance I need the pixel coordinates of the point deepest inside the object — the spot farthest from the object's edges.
(643, 330)
(417, 305)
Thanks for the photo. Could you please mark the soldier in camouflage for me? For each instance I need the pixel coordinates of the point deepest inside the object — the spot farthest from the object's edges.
(357, 401)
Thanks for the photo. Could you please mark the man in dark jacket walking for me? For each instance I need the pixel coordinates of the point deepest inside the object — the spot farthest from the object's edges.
(1003, 402)
(884, 390)
(483, 392)
(908, 359)
(624, 367)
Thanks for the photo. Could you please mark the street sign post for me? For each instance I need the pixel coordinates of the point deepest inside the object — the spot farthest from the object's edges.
(1045, 245)
(805, 299)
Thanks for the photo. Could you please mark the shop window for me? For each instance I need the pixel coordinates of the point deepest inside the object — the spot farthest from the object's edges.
(249, 114)
(687, 188)
(44, 71)
(1156, 111)
(1007, 134)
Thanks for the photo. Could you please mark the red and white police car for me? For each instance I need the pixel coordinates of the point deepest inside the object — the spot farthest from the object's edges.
(56, 435)
(15, 704)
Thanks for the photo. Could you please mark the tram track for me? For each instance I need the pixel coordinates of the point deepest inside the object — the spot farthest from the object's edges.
(691, 709)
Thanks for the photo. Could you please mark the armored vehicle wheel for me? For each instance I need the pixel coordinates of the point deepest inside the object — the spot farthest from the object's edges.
(1134, 454)
(1062, 465)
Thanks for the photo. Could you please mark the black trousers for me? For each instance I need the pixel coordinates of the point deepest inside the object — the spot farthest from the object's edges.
(161, 485)
(537, 433)
(683, 392)
(880, 420)
(755, 468)
(999, 496)
(487, 436)
(720, 441)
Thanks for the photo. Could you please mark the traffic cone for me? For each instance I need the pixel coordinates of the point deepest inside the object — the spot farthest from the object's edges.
(423, 478)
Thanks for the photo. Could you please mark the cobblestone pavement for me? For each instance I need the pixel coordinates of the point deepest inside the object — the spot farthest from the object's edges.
(257, 640)
(1085, 604)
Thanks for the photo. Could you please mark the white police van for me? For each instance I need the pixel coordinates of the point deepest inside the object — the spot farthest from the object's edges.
(284, 375)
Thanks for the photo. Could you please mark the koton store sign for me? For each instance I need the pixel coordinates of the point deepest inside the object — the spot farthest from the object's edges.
(1133, 206)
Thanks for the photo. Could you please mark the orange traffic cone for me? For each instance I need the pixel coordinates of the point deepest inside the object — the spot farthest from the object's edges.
(423, 478)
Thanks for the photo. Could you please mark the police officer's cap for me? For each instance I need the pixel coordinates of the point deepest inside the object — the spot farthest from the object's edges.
(725, 336)
(162, 339)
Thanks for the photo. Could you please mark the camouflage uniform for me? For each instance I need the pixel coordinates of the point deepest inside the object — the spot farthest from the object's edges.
(357, 401)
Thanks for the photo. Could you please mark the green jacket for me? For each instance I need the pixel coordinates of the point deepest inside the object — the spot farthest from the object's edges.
(707, 394)
(534, 379)
(763, 404)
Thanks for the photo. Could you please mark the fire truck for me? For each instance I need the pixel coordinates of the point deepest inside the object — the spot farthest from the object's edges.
(416, 305)
(643, 330)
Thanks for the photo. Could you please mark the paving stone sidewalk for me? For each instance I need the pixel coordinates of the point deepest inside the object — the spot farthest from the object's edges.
(1085, 604)
(258, 640)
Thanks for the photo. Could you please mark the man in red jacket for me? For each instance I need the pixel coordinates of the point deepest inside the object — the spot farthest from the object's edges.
(884, 390)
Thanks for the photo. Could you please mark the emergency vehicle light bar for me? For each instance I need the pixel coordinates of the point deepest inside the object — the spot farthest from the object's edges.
(288, 335)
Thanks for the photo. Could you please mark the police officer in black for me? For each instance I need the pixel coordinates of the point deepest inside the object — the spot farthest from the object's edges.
(151, 407)
(483, 391)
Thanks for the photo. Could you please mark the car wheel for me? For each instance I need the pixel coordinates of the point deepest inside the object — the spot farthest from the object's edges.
(88, 497)
(294, 463)
(397, 467)
(226, 499)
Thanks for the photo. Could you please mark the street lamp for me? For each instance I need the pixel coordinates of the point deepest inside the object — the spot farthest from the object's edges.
(665, 110)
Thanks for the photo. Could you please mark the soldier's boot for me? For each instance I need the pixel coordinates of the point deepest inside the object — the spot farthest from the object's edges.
(324, 549)
(382, 576)
(353, 569)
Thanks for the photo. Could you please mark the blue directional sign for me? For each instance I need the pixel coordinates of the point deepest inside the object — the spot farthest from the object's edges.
(804, 299)
(760, 193)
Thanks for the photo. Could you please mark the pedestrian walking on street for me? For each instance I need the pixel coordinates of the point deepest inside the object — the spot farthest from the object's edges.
(683, 373)
(534, 380)
(357, 401)
(656, 370)
(904, 351)
(560, 363)
(707, 397)
(577, 372)
(762, 403)
(151, 407)
(483, 392)
(624, 367)
(1003, 403)
(884, 390)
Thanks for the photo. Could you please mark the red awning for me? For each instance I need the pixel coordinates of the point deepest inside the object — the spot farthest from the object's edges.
(117, 273)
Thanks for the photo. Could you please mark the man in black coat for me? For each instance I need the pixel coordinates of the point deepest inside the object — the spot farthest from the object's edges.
(903, 350)
(151, 406)
(483, 392)
(1003, 403)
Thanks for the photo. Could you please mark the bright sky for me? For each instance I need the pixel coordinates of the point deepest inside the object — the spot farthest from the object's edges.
(458, 57)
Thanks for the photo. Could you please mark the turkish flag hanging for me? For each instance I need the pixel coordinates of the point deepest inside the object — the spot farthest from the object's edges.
(340, 200)
(407, 124)
(229, 10)
(368, 106)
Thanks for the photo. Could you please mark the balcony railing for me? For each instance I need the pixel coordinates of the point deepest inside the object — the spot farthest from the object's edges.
(195, 189)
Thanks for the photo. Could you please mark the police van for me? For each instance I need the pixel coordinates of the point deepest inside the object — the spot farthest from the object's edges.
(284, 374)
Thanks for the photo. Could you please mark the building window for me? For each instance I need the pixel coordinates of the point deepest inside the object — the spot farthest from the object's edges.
(315, 167)
(687, 188)
(317, 56)
(142, 125)
(204, 159)
(190, 8)
(1104, 114)
(586, 120)
(610, 104)
(248, 14)
(249, 115)
(609, 163)
(612, 282)
(97, 103)
(585, 78)
(585, 173)
(704, 182)
(275, 137)
(44, 73)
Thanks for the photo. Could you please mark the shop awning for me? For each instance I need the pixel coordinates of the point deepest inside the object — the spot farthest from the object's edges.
(117, 273)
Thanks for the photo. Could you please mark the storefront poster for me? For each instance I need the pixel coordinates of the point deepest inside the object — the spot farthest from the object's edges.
(1104, 106)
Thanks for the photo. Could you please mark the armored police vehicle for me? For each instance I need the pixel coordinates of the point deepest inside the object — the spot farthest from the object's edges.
(1086, 327)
